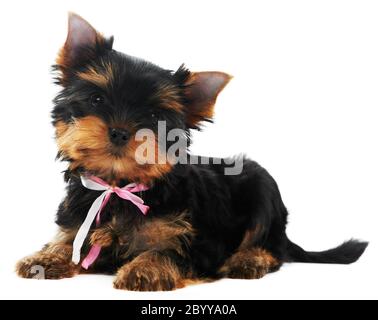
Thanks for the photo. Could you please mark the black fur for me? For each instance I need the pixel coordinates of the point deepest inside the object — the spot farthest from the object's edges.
(346, 253)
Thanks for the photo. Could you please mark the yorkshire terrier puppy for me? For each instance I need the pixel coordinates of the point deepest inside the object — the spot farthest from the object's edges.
(156, 218)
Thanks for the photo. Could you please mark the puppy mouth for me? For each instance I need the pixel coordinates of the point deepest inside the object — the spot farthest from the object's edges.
(117, 152)
(113, 151)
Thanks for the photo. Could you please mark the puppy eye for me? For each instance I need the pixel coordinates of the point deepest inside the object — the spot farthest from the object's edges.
(97, 99)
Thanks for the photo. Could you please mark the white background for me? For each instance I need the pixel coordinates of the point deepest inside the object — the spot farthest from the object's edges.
(303, 103)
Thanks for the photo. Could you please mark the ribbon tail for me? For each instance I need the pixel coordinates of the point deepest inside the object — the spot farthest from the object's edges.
(136, 188)
(142, 207)
(84, 228)
(91, 257)
(127, 195)
(103, 204)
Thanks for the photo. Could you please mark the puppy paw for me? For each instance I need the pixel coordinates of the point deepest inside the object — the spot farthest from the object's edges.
(149, 272)
(248, 264)
(46, 266)
(245, 270)
(102, 236)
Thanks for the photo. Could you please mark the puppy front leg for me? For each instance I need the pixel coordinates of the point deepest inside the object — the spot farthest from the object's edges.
(150, 271)
(52, 262)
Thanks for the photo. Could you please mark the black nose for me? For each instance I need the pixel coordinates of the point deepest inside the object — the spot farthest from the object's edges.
(118, 137)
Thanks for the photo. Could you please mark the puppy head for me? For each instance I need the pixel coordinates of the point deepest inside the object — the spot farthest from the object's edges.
(109, 98)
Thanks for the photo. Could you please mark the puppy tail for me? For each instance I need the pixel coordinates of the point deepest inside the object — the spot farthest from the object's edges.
(346, 253)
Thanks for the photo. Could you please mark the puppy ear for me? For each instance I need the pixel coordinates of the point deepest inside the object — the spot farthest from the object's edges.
(83, 43)
(201, 91)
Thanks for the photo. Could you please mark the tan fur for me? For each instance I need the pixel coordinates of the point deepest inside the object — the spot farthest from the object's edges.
(102, 236)
(248, 264)
(168, 96)
(86, 142)
(101, 78)
(170, 232)
(149, 272)
(53, 261)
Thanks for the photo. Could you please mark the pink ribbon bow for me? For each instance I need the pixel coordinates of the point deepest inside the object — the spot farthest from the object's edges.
(95, 183)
